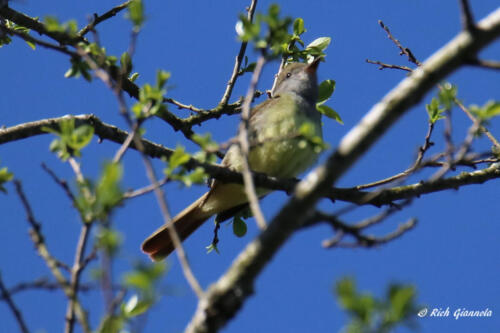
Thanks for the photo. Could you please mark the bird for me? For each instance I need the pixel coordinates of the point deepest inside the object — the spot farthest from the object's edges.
(276, 149)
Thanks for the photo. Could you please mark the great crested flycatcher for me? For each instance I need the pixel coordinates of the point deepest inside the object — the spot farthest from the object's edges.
(276, 149)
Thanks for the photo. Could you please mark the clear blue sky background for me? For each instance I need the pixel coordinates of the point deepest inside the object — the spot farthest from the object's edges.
(452, 257)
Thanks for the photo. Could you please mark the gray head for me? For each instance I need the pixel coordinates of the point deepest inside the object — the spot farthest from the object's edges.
(300, 79)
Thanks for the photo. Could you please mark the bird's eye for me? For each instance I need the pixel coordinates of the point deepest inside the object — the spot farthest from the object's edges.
(288, 74)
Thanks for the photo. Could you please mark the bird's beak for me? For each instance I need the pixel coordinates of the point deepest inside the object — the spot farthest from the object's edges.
(313, 66)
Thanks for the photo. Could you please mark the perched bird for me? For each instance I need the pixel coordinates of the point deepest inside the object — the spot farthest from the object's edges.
(276, 149)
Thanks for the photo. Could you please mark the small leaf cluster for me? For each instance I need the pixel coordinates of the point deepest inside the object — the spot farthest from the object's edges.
(69, 28)
(277, 38)
(143, 280)
(5, 38)
(444, 102)
(5, 176)
(176, 169)
(98, 54)
(151, 97)
(487, 111)
(325, 91)
(136, 14)
(315, 49)
(96, 201)
(369, 314)
(70, 139)
(274, 37)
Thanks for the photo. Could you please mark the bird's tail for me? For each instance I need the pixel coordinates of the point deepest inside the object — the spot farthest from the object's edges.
(159, 245)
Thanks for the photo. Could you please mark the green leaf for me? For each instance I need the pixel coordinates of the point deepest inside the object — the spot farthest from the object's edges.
(108, 191)
(134, 77)
(70, 139)
(178, 158)
(52, 24)
(111, 324)
(198, 176)
(5, 176)
(109, 240)
(134, 306)
(239, 227)
(298, 26)
(205, 141)
(212, 247)
(325, 91)
(81, 137)
(144, 275)
(447, 95)
(401, 300)
(161, 78)
(136, 13)
(489, 110)
(126, 63)
(434, 111)
(330, 113)
(320, 43)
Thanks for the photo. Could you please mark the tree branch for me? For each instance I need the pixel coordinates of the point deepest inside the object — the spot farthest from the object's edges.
(244, 147)
(5, 295)
(466, 16)
(51, 262)
(101, 18)
(237, 63)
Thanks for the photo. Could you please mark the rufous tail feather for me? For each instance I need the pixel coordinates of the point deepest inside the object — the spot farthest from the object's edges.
(159, 245)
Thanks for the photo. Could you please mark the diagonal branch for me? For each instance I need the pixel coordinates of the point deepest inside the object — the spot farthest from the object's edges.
(239, 58)
(244, 147)
(6, 296)
(466, 16)
(101, 18)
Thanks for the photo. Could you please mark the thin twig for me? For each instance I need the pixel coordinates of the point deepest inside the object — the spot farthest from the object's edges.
(489, 64)
(237, 63)
(76, 271)
(371, 241)
(28, 38)
(144, 190)
(160, 196)
(384, 65)
(416, 165)
(411, 57)
(39, 241)
(245, 146)
(466, 16)
(101, 18)
(5, 295)
(61, 182)
(42, 284)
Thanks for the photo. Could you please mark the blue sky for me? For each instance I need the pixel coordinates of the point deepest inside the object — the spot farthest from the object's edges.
(451, 257)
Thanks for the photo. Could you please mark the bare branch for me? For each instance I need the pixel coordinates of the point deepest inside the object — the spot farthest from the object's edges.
(489, 64)
(245, 147)
(416, 165)
(28, 38)
(39, 241)
(101, 18)
(144, 190)
(61, 182)
(384, 65)
(237, 63)
(34, 24)
(5, 295)
(76, 271)
(466, 16)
